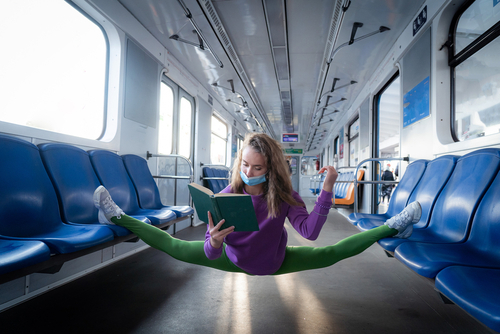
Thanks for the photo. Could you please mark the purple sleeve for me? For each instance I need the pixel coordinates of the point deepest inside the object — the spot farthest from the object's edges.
(309, 225)
(211, 252)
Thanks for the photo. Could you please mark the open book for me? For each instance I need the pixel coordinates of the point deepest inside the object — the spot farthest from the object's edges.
(236, 209)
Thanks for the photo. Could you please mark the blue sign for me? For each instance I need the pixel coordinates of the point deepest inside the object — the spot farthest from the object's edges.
(495, 2)
(416, 103)
(420, 20)
(290, 138)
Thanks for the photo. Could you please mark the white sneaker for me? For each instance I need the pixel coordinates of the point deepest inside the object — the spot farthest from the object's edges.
(107, 208)
(403, 221)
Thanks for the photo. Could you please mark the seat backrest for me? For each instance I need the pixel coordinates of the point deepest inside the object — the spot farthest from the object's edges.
(212, 184)
(28, 201)
(436, 174)
(339, 187)
(112, 174)
(485, 230)
(220, 173)
(144, 183)
(74, 180)
(452, 214)
(408, 182)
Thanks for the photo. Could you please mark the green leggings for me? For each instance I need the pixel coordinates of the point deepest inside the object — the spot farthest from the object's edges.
(297, 258)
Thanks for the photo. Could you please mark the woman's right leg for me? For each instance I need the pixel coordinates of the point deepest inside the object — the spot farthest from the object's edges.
(186, 251)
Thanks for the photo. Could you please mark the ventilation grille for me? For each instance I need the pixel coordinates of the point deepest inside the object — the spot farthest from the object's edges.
(213, 17)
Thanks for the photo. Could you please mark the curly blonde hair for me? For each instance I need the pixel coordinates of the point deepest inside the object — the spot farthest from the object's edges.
(278, 186)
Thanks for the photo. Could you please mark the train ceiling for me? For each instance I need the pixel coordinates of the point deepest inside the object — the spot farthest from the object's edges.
(267, 61)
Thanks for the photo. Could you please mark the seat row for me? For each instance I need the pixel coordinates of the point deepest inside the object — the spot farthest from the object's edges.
(46, 199)
(343, 191)
(456, 240)
(216, 179)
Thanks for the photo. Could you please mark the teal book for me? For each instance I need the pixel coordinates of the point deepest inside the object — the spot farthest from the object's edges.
(236, 209)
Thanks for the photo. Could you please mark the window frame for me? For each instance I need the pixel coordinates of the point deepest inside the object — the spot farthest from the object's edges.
(456, 59)
(109, 125)
(212, 133)
(178, 93)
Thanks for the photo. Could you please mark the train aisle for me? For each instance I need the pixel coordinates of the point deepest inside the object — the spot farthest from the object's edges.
(152, 293)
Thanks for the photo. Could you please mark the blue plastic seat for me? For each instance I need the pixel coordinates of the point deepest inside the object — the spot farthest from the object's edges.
(220, 173)
(475, 290)
(436, 174)
(112, 174)
(212, 184)
(15, 254)
(74, 180)
(481, 249)
(29, 209)
(452, 214)
(401, 194)
(145, 185)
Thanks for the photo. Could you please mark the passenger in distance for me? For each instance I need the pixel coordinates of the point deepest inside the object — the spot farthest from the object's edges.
(261, 171)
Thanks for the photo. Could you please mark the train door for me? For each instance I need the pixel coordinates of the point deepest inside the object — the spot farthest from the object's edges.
(175, 137)
(386, 139)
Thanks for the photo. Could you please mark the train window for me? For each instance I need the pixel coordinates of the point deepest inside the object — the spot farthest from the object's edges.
(354, 142)
(475, 70)
(165, 127)
(175, 119)
(336, 148)
(218, 145)
(54, 73)
(185, 125)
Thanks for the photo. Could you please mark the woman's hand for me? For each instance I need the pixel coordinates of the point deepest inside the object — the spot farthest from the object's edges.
(216, 234)
(330, 178)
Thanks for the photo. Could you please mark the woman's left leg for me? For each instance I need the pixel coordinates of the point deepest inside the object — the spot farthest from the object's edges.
(305, 258)
(299, 258)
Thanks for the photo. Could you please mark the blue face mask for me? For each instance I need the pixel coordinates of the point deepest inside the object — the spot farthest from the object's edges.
(254, 180)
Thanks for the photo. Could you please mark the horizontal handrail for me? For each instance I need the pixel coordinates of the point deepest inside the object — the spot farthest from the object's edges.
(172, 177)
(191, 169)
(407, 159)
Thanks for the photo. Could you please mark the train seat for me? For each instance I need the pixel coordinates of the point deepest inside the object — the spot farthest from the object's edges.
(145, 185)
(479, 250)
(401, 194)
(317, 181)
(339, 187)
(112, 174)
(223, 183)
(435, 176)
(29, 208)
(74, 180)
(216, 185)
(16, 254)
(473, 289)
(452, 214)
(348, 189)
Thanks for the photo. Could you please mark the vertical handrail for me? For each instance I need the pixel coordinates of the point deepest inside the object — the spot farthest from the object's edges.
(407, 159)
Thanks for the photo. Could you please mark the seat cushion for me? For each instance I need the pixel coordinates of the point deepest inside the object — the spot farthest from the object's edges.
(475, 290)
(16, 254)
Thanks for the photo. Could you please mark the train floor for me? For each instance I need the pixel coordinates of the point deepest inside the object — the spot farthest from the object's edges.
(150, 292)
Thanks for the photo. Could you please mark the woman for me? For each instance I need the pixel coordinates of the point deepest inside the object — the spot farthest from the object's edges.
(261, 171)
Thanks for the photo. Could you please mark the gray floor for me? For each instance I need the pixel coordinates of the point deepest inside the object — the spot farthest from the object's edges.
(153, 293)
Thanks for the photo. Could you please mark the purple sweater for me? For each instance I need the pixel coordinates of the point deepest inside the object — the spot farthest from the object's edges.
(262, 252)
